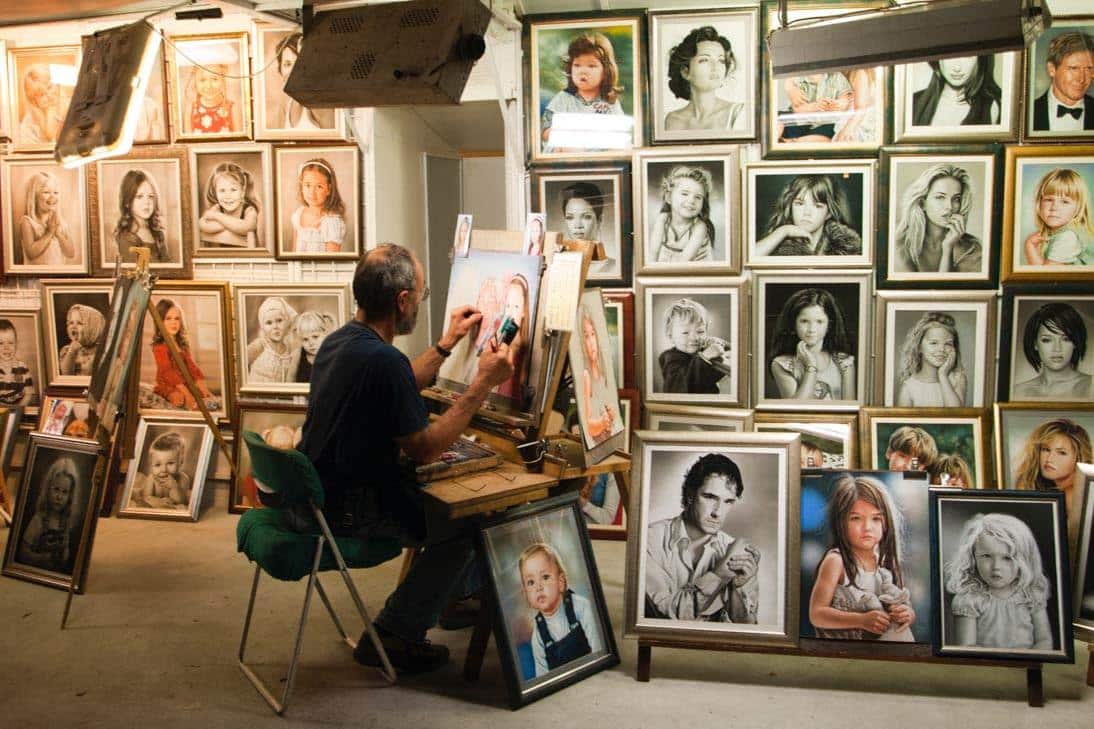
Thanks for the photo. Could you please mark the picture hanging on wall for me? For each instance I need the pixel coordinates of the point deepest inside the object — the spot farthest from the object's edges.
(686, 210)
(318, 202)
(45, 218)
(809, 214)
(1044, 344)
(40, 83)
(1048, 232)
(619, 315)
(828, 440)
(971, 98)
(590, 203)
(278, 115)
(1059, 94)
(211, 86)
(233, 201)
(152, 123)
(950, 445)
(1083, 610)
(696, 418)
(137, 200)
(1037, 445)
(75, 315)
(167, 477)
(704, 71)
(280, 426)
(585, 84)
(5, 105)
(21, 360)
(830, 113)
(941, 221)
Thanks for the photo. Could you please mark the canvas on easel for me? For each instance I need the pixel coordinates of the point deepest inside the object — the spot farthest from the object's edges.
(595, 388)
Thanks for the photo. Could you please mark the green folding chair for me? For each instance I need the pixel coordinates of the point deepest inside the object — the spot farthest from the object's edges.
(268, 540)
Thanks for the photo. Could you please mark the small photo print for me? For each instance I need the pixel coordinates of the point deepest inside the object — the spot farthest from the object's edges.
(534, 233)
(461, 240)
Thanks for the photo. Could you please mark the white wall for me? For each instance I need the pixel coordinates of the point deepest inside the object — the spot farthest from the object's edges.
(483, 180)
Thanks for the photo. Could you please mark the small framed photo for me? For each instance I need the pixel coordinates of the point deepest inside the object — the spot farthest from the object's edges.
(691, 340)
(973, 98)
(590, 203)
(619, 314)
(1037, 445)
(554, 625)
(936, 356)
(685, 210)
(64, 416)
(1000, 575)
(75, 314)
(950, 445)
(1044, 329)
(1059, 97)
(47, 529)
(318, 202)
(696, 418)
(811, 340)
(535, 231)
(1047, 232)
(167, 477)
(10, 419)
(461, 240)
(152, 125)
(45, 218)
(595, 386)
(280, 425)
(1083, 583)
(939, 217)
(41, 82)
(196, 314)
(809, 214)
(278, 115)
(739, 493)
(585, 84)
(828, 440)
(210, 86)
(704, 71)
(232, 200)
(279, 330)
(838, 113)
(22, 361)
(847, 573)
(137, 200)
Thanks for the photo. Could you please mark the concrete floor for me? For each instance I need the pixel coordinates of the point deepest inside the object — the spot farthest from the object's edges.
(153, 643)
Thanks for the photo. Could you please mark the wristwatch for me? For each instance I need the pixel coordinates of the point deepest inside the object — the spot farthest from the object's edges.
(445, 353)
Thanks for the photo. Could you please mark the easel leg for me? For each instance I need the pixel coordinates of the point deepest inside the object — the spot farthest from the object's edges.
(623, 482)
(409, 555)
(1090, 665)
(1035, 686)
(480, 638)
(645, 656)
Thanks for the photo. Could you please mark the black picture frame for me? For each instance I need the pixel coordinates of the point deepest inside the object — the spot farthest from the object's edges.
(566, 513)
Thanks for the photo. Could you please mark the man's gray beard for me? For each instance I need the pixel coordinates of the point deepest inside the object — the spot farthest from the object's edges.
(406, 326)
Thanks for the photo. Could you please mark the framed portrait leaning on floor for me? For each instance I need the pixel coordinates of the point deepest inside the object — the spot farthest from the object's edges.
(167, 477)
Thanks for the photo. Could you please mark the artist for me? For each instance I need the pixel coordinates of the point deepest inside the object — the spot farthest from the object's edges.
(363, 409)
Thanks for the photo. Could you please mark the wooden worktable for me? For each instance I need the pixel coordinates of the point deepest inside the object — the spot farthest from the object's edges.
(491, 490)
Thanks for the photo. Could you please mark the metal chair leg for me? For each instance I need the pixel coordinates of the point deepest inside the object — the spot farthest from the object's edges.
(333, 615)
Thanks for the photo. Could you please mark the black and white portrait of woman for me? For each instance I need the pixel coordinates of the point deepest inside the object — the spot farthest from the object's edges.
(965, 97)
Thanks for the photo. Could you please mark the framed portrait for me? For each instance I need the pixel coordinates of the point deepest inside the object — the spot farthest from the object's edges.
(554, 624)
(278, 115)
(21, 360)
(1038, 444)
(691, 340)
(279, 328)
(210, 86)
(846, 573)
(811, 340)
(590, 203)
(595, 386)
(10, 419)
(118, 349)
(585, 84)
(828, 440)
(685, 210)
(950, 445)
(41, 82)
(232, 200)
(991, 544)
(1059, 97)
(741, 495)
(75, 315)
(1044, 330)
(48, 532)
(696, 418)
(197, 314)
(940, 222)
(809, 214)
(45, 218)
(5, 105)
(1047, 233)
(1083, 582)
(461, 238)
(152, 126)
(64, 416)
(318, 202)
(704, 70)
(137, 200)
(280, 425)
(936, 353)
(619, 315)
(972, 98)
(838, 113)
(167, 477)
(601, 500)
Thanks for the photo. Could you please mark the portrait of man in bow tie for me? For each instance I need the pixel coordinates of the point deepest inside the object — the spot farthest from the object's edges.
(1067, 107)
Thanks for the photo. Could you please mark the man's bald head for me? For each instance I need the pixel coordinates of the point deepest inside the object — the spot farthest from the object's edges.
(381, 274)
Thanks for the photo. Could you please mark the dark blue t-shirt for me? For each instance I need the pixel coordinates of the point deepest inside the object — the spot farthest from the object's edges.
(363, 396)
